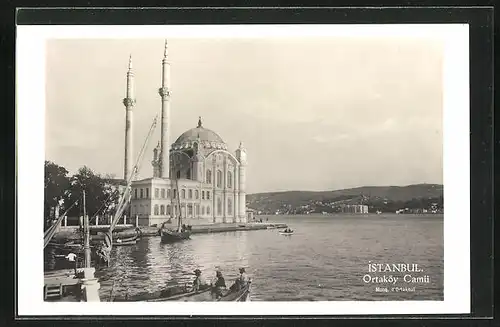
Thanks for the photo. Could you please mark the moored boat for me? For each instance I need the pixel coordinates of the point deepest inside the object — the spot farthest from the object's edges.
(126, 241)
(170, 236)
(182, 232)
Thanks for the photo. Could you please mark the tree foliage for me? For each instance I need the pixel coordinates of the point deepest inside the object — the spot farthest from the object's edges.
(101, 193)
(56, 186)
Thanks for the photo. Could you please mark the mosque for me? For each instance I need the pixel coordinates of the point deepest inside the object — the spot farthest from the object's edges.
(196, 176)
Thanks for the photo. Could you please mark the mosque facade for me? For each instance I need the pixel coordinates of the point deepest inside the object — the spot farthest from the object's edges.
(196, 176)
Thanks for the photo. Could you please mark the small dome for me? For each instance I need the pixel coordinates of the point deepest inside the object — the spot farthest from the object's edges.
(205, 137)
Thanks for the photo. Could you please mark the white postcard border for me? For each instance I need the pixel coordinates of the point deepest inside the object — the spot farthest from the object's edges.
(30, 96)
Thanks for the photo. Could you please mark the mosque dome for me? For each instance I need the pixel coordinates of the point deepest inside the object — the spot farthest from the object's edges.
(205, 138)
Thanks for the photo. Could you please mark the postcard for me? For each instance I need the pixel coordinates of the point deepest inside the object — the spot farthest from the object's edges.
(301, 169)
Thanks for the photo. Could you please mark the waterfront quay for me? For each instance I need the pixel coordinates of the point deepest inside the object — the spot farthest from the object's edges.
(233, 227)
(196, 229)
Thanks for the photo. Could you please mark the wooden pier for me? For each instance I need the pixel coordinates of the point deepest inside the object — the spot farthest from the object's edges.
(55, 283)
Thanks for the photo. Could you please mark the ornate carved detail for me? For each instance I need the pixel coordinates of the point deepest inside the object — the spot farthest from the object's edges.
(128, 102)
(164, 92)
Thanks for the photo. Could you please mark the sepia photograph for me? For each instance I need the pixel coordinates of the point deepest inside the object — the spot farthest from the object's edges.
(248, 164)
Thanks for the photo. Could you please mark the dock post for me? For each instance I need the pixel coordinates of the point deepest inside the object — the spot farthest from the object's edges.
(124, 219)
(65, 221)
(90, 286)
(97, 220)
(136, 221)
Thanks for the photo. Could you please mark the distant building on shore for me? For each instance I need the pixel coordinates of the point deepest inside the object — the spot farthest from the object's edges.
(354, 208)
(196, 172)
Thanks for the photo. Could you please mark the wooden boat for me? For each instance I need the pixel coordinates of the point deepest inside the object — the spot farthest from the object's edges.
(126, 241)
(286, 233)
(181, 233)
(183, 294)
(170, 236)
(119, 243)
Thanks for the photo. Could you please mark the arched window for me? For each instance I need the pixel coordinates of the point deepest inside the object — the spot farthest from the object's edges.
(208, 195)
(175, 193)
(156, 210)
(203, 195)
(209, 177)
(178, 174)
(208, 210)
(135, 193)
(190, 209)
(169, 208)
(229, 207)
(202, 210)
(219, 178)
(142, 193)
(229, 179)
(157, 193)
(196, 210)
(168, 193)
(188, 174)
(147, 192)
(196, 194)
(163, 193)
(183, 194)
(190, 194)
(162, 209)
(219, 206)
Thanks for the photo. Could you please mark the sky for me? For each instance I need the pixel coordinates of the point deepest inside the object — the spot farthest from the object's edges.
(321, 113)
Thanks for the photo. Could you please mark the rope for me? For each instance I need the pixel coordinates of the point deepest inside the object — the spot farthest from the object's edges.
(125, 199)
(49, 233)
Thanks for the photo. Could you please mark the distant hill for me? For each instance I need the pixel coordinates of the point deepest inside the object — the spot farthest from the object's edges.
(370, 195)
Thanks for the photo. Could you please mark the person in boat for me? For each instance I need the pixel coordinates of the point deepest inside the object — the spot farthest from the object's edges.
(241, 281)
(198, 281)
(218, 285)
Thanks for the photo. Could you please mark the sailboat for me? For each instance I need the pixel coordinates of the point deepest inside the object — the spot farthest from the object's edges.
(169, 235)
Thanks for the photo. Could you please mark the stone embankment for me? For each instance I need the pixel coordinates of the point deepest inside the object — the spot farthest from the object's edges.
(73, 232)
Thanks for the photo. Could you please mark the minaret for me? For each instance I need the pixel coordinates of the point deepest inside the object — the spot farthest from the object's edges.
(129, 103)
(164, 92)
(241, 155)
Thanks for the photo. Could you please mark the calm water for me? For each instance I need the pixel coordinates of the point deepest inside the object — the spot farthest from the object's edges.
(325, 259)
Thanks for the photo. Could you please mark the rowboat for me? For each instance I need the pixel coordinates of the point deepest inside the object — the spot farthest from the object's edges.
(126, 241)
(286, 233)
(183, 294)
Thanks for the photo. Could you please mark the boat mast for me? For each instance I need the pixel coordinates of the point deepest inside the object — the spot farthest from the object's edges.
(126, 196)
(87, 234)
(178, 205)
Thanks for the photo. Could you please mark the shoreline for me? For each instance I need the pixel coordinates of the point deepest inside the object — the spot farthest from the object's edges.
(70, 231)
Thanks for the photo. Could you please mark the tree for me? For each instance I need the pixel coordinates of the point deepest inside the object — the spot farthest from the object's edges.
(57, 184)
(96, 193)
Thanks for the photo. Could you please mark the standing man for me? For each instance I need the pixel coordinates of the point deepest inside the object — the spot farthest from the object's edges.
(71, 257)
